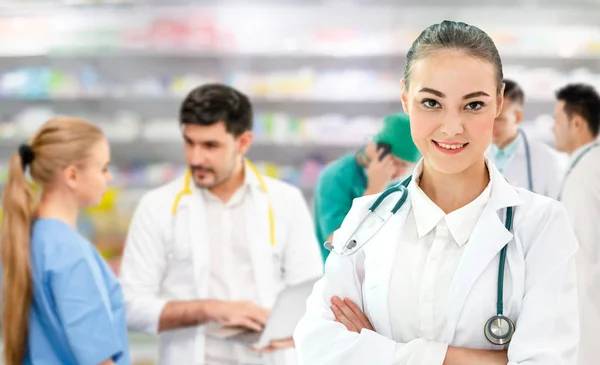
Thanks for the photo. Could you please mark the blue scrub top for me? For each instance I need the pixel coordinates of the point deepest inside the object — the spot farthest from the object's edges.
(77, 315)
(337, 186)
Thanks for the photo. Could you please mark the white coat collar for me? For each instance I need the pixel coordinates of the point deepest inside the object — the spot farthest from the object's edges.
(427, 214)
(486, 240)
(575, 155)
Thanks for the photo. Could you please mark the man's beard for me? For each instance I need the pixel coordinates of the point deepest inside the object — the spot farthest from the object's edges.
(218, 177)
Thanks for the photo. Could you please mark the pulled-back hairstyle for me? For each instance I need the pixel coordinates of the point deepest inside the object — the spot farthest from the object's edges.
(454, 36)
(59, 143)
(513, 92)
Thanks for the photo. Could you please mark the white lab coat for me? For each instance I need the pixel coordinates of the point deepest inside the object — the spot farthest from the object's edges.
(540, 290)
(166, 259)
(547, 167)
(581, 197)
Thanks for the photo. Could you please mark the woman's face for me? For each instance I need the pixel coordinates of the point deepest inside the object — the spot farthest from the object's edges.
(94, 177)
(452, 102)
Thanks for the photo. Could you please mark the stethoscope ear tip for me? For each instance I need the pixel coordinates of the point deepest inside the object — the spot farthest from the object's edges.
(328, 245)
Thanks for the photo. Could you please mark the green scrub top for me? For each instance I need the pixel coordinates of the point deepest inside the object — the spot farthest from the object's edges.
(337, 186)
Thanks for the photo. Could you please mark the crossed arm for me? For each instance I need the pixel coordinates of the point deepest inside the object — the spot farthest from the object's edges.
(349, 314)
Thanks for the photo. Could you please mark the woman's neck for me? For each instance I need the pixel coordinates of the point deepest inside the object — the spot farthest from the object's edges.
(55, 205)
(451, 192)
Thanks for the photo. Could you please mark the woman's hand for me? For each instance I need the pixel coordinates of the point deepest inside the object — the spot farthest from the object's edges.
(350, 315)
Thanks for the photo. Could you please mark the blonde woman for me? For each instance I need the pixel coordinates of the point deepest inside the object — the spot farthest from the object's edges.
(62, 304)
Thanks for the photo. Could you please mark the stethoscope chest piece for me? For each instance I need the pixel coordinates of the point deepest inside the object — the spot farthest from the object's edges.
(499, 330)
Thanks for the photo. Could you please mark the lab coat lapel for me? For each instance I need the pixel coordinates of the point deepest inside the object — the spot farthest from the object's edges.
(257, 228)
(380, 255)
(191, 222)
(488, 238)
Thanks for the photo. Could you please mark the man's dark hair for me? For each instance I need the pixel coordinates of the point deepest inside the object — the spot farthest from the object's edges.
(582, 100)
(213, 103)
(513, 92)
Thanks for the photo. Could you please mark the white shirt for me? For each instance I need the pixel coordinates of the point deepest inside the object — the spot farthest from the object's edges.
(581, 197)
(426, 261)
(231, 276)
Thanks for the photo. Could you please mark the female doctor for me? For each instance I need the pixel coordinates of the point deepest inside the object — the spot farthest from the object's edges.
(434, 284)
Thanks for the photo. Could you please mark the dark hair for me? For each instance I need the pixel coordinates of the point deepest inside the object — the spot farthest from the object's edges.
(214, 103)
(513, 92)
(582, 100)
(450, 35)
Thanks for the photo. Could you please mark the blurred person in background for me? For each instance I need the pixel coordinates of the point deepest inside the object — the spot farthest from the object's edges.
(216, 246)
(524, 162)
(388, 157)
(577, 114)
(62, 304)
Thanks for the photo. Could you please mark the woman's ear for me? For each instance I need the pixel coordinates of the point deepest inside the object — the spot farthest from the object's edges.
(404, 97)
(500, 100)
(70, 176)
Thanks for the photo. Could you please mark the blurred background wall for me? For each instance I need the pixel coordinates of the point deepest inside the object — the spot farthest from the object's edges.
(321, 75)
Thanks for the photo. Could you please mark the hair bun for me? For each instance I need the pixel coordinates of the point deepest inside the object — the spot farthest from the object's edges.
(26, 154)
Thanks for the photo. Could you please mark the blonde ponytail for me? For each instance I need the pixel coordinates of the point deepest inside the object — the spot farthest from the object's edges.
(17, 206)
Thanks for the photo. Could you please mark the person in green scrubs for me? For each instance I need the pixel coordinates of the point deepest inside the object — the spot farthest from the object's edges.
(362, 173)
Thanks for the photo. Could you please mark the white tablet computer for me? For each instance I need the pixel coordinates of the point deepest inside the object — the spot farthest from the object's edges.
(289, 308)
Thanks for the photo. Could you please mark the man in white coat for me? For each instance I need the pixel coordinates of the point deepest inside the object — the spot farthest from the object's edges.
(523, 162)
(215, 247)
(577, 114)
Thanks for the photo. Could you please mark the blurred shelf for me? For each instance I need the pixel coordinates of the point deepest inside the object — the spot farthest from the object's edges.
(157, 62)
(139, 152)
(153, 107)
(109, 53)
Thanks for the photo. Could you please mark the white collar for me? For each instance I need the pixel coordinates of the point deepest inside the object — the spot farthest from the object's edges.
(460, 222)
(575, 155)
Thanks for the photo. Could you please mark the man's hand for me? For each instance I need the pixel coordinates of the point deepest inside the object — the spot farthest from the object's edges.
(237, 314)
(282, 344)
(348, 314)
(380, 173)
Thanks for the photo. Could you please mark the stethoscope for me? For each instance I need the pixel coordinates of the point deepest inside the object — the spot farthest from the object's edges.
(499, 329)
(528, 159)
(187, 190)
(575, 162)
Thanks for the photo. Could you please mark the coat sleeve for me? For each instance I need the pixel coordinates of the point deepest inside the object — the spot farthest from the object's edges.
(322, 341)
(301, 257)
(143, 267)
(547, 331)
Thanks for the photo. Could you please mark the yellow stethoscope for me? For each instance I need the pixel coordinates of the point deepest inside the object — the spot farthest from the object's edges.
(188, 191)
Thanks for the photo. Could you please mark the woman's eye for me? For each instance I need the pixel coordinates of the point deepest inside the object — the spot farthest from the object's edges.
(476, 105)
(430, 103)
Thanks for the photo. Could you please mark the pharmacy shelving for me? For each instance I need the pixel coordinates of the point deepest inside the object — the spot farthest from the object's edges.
(321, 76)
